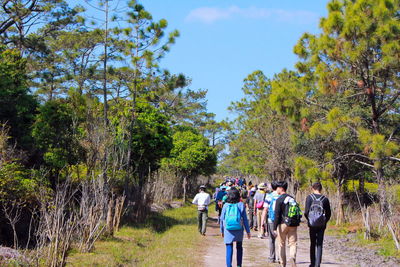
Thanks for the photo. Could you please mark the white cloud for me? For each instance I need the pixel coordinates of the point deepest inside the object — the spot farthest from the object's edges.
(210, 15)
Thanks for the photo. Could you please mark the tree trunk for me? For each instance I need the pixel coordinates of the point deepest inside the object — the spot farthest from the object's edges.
(384, 206)
(340, 211)
(109, 220)
(184, 188)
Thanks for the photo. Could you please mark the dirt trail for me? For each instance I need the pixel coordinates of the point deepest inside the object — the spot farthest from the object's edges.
(215, 250)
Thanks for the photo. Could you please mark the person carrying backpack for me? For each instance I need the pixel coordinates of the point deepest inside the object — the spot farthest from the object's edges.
(269, 211)
(202, 200)
(317, 213)
(218, 201)
(233, 223)
(259, 207)
(250, 208)
(287, 219)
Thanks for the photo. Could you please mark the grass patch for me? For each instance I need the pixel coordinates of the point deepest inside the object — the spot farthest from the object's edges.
(167, 239)
(383, 244)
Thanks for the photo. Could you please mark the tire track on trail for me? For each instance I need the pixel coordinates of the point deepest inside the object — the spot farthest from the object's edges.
(256, 250)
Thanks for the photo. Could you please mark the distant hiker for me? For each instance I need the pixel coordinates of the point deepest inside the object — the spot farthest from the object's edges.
(218, 201)
(234, 221)
(318, 213)
(269, 211)
(202, 200)
(258, 208)
(243, 193)
(250, 208)
(287, 218)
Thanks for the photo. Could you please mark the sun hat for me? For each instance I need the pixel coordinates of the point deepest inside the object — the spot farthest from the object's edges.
(262, 186)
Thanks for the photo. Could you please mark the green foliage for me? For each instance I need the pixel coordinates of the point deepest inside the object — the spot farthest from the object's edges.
(306, 170)
(55, 135)
(151, 140)
(191, 154)
(17, 183)
(17, 106)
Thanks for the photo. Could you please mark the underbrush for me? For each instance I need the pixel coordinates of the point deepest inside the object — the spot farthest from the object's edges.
(166, 239)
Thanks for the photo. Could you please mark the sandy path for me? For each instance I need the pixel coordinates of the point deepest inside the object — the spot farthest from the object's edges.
(214, 248)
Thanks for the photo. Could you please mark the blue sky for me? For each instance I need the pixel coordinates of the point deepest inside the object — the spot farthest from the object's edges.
(222, 41)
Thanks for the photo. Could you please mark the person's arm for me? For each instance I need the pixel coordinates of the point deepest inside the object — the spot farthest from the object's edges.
(208, 200)
(222, 218)
(255, 204)
(308, 205)
(196, 199)
(264, 214)
(328, 212)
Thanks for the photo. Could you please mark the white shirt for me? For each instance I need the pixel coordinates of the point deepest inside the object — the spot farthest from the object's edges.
(202, 199)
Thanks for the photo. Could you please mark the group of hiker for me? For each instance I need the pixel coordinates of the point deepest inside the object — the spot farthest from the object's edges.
(269, 210)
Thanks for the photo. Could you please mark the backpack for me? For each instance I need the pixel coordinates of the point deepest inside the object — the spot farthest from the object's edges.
(271, 209)
(260, 204)
(292, 213)
(233, 218)
(316, 216)
(244, 193)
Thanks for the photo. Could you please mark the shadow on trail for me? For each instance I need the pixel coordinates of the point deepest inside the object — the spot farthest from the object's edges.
(160, 223)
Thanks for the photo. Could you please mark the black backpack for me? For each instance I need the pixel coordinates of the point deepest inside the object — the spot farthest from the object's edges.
(292, 213)
(316, 215)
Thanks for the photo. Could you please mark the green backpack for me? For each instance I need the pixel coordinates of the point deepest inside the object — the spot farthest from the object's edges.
(292, 213)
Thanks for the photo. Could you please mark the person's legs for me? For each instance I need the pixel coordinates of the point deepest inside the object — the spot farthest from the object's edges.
(204, 222)
(320, 241)
(313, 238)
(259, 222)
(282, 228)
(229, 254)
(239, 251)
(251, 218)
(199, 220)
(272, 237)
(292, 241)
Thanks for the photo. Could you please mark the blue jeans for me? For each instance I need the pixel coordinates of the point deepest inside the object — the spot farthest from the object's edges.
(229, 254)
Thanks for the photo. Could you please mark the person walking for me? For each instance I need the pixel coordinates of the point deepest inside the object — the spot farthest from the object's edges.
(284, 225)
(219, 204)
(250, 208)
(233, 223)
(317, 213)
(258, 208)
(202, 200)
(269, 211)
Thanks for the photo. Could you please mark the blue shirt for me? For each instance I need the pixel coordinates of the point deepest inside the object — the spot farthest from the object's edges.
(220, 195)
(231, 236)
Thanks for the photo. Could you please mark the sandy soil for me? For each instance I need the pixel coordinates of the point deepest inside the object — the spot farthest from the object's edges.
(256, 250)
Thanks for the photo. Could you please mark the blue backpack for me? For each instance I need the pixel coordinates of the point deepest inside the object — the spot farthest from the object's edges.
(271, 210)
(233, 218)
